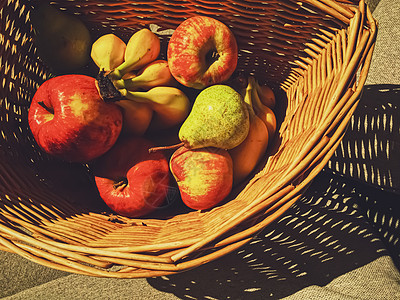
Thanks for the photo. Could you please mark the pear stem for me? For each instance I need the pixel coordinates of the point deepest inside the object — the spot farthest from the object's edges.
(155, 149)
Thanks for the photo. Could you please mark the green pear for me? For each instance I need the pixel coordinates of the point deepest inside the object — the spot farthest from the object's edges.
(63, 40)
(219, 118)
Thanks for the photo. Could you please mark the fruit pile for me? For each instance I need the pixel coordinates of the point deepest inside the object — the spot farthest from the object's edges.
(116, 121)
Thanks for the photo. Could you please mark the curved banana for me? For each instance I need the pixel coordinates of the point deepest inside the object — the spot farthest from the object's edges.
(128, 75)
(108, 52)
(154, 74)
(266, 95)
(170, 105)
(248, 154)
(142, 48)
(262, 111)
(136, 116)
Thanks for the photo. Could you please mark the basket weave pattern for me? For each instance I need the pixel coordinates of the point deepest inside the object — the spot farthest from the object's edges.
(316, 55)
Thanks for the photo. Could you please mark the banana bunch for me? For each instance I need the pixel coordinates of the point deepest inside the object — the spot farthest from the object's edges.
(261, 108)
(108, 52)
(142, 48)
(154, 74)
(151, 98)
(266, 95)
(249, 153)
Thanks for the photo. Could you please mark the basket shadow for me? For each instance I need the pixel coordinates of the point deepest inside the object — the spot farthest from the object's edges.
(324, 235)
(76, 183)
(52, 188)
(79, 190)
(369, 150)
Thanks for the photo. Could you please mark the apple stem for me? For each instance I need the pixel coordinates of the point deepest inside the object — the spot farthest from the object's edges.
(49, 109)
(120, 185)
(155, 149)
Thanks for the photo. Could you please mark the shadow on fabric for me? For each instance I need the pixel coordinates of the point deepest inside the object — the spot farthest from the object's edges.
(324, 235)
(370, 150)
(339, 224)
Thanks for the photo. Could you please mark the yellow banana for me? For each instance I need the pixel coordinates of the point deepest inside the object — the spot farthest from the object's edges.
(128, 75)
(262, 111)
(108, 52)
(142, 48)
(136, 116)
(154, 74)
(248, 154)
(170, 105)
(266, 95)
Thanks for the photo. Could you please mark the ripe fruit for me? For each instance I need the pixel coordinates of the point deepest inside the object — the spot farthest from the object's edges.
(136, 116)
(262, 111)
(202, 51)
(266, 95)
(63, 41)
(204, 176)
(130, 180)
(108, 52)
(248, 154)
(170, 105)
(142, 48)
(69, 119)
(154, 74)
(219, 118)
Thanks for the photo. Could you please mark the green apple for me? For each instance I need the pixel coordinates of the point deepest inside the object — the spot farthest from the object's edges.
(63, 40)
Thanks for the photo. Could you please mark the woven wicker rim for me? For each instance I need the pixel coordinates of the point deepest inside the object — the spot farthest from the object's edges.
(321, 70)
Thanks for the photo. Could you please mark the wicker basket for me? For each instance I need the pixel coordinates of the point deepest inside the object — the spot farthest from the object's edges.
(315, 54)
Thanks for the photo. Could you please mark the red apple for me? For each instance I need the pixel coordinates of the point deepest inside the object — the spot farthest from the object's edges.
(69, 119)
(204, 176)
(202, 51)
(130, 180)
